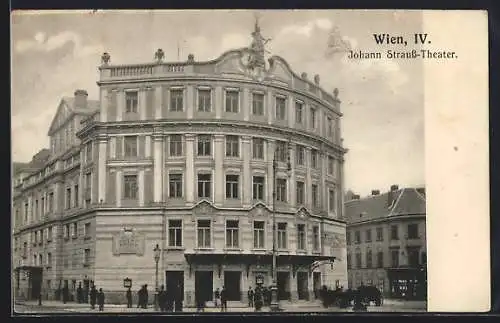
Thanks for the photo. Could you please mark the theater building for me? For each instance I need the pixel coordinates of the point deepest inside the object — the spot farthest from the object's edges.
(181, 155)
(386, 242)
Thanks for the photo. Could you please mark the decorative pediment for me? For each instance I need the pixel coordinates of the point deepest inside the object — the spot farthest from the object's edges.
(303, 213)
(278, 69)
(230, 63)
(128, 242)
(259, 210)
(203, 208)
(62, 114)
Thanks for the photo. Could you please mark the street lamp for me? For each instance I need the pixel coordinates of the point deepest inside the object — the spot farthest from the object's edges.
(157, 259)
(275, 306)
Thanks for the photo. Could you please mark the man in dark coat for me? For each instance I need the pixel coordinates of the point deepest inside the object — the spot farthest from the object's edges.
(162, 299)
(223, 299)
(145, 297)
(100, 300)
(140, 297)
(258, 299)
(128, 295)
(65, 293)
(79, 293)
(93, 296)
(250, 297)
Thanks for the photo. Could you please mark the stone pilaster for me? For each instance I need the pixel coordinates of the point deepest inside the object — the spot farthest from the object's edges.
(158, 102)
(103, 105)
(290, 103)
(219, 104)
(190, 92)
(119, 177)
(158, 167)
(142, 103)
(147, 149)
(323, 194)
(219, 169)
(292, 194)
(101, 168)
(246, 104)
(190, 139)
(294, 288)
(271, 146)
(120, 104)
(247, 176)
(270, 106)
(308, 184)
(140, 180)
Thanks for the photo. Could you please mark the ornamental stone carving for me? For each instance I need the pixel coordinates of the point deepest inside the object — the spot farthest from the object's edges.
(105, 58)
(159, 55)
(128, 242)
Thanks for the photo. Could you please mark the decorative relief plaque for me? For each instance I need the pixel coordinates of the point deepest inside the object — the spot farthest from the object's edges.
(128, 242)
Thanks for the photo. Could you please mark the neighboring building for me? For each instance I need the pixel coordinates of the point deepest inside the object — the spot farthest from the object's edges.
(386, 242)
(181, 155)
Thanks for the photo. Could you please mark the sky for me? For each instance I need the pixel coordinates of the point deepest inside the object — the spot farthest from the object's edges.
(382, 100)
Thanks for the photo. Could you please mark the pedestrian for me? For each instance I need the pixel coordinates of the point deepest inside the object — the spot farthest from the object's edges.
(145, 297)
(217, 298)
(223, 299)
(250, 297)
(79, 293)
(65, 293)
(140, 296)
(100, 300)
(258, 299)
(162, 299)
(128, 295)
(93, 296)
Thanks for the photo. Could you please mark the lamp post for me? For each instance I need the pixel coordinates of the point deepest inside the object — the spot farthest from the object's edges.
(156, 251)
(275, 306)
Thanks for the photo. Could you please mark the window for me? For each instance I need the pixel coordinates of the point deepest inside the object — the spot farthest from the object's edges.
(86, 230)
(86, 257)
(258, 104)
(130, 187)
(300, 193)
(88, 187)
(131, 99)
(130, 146)
(329, 126)
(258, 234)
(26, 207)
(74, 232)
(369, 259)
(349, 261)
(281, 151)
(42, 205)
(175, 185)
(357, 237)
(413, 231)
(40, 260)
(380, 259)
(50, 202)
(313, 118)
(176, 100)
(232, 183)
(314, 193)
(68, 198)
(298, 112)
(204, 145)
(280, 108)
(281, 190)
(66, 231)
(175, 145)
(315, 238)
(204, 234)
(258, 188)
(258, 148)
(77, 197)
(380, 234)
(232, 239)
(25, 249)
(204, 185)
(358, 259)
(330, 165)
(174, 233)
(301, 236)
(49, 259)
(49, 234)
(205, 100)
(413, 257)
(395, 258)
(282, 239)
(394, 232)
(348, 237)
(36, 207)
(300, 155)
(331, 200)
(232, 101)
(369, 235)
(314, 158)
(232, 146)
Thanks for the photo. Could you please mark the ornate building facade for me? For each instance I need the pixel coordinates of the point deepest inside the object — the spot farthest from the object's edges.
(386, 242)
(181, 155)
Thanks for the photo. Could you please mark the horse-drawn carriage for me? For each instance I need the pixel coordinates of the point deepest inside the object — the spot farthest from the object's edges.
(345, 298)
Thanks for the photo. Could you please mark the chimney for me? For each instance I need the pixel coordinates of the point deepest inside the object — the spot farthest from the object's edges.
(375, 192)
(391, 195)
(81, 99)
(394, 188)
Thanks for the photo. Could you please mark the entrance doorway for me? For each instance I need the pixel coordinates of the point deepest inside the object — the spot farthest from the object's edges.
(283, 282)
(175, 284)
(232, 281)
(316, 284)
(203, 285)
(35, 278)
(302, 288)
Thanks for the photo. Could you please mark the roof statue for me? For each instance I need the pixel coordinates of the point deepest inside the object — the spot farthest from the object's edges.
(254, 55)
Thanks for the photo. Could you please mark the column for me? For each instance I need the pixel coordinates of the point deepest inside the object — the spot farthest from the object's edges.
(245, 106)
(142, 103)
(291, 111)
(118, 186)
(247, 176)
(158, 102)
(218, 102)
(81, 189)
(158, 169)
(324, 171)
(147, 149)
(140, 180)
(245, 285)
(103, 104)
(189, 101)
(219, 169)
(340, 189)
(294, 290)
(120, 102)
(310, 285)
(308, 184)
(101, 169)
(271, 144)
(270, 106)
(189, 180)
(112, 147)
(292, 195)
